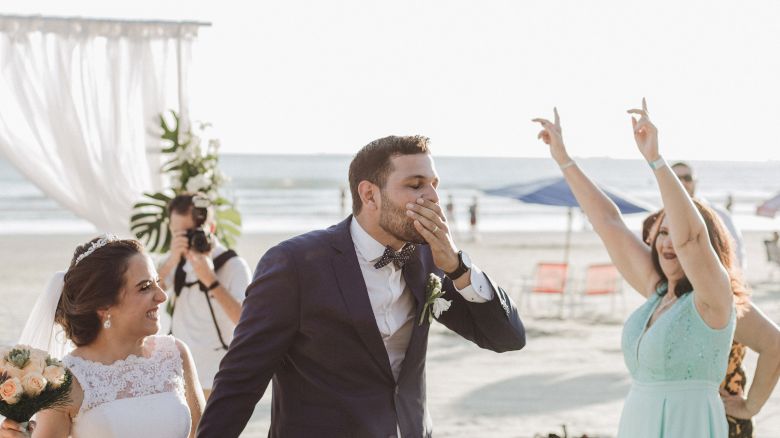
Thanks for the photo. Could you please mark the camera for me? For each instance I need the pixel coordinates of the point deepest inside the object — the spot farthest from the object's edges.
(198, 240)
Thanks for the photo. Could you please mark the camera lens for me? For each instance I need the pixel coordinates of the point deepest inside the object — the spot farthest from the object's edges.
(199, 240)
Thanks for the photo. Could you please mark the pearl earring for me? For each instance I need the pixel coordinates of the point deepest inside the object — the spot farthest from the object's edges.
(107, 322)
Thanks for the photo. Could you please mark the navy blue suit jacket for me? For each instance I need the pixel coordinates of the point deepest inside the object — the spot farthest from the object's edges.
(307, 323)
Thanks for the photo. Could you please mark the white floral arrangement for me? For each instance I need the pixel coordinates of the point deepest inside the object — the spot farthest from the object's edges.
(435, 304)
(193, 167)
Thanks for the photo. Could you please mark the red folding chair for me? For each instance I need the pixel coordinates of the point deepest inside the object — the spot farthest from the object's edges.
(602, 279)
(549, 279)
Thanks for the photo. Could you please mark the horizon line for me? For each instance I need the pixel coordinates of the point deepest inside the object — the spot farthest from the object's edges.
(590, 157)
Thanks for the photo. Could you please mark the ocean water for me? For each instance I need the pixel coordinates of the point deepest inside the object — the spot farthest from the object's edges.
(282, 193)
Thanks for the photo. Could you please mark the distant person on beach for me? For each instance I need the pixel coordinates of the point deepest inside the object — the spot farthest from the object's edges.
(473, 219)
(676, 344)
(757, 332)
(343, 201)
(772, 248)
(338, 317)
(685, 173)
(729, 206)
(129, 381)
(451, 213)
(206, 282)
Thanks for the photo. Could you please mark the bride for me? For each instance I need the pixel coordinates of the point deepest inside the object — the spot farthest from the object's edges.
(128, 381)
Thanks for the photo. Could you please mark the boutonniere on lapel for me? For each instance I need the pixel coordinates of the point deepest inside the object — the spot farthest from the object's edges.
(435, 305)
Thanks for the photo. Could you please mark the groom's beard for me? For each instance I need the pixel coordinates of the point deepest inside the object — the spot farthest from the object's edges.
(394, 221)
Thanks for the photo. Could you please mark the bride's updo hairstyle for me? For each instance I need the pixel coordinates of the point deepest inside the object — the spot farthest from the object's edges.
(94, 280)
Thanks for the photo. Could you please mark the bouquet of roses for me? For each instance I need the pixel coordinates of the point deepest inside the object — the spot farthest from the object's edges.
(30, 381)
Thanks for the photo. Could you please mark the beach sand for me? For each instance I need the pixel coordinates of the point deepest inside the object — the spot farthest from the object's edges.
(571, 372)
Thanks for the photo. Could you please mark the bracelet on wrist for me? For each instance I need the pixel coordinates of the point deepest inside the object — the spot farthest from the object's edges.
(567, 164)
(657, 164)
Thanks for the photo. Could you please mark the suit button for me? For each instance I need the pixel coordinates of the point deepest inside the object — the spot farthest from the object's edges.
(396, 389)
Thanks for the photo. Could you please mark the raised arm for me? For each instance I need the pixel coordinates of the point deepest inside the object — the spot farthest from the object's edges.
(627, 251)
(687, 230)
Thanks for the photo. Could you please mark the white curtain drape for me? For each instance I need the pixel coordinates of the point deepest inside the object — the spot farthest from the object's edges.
(79, 102)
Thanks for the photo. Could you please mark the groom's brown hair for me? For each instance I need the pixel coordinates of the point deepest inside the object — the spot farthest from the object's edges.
(372, 163)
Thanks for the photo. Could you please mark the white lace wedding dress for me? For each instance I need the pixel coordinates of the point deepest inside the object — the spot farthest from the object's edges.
(134, 397)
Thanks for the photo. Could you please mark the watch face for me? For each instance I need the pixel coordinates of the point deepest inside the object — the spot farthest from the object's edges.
(466, 260)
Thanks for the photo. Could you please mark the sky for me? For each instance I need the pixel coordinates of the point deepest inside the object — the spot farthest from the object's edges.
(293, 76)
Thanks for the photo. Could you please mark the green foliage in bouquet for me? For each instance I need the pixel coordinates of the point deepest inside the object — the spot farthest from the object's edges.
(190, 170)
(18, 357)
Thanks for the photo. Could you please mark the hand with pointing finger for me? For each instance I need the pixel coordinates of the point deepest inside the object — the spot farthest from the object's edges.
(645, 133)
(552, 135)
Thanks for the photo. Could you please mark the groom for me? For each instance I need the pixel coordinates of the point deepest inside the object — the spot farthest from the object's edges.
(334, 316)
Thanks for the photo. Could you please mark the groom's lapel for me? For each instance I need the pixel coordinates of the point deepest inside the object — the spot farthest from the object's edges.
(353, 290)
(414, 275)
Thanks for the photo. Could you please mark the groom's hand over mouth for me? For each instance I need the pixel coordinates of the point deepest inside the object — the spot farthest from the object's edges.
(430, 222)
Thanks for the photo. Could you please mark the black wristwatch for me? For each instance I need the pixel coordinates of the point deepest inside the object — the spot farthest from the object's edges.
(464, 264)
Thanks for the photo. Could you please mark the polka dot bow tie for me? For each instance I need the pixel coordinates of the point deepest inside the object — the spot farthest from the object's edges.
(398, 258)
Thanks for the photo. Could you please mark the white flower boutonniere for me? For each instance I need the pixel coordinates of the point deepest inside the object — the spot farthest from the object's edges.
(435, 305)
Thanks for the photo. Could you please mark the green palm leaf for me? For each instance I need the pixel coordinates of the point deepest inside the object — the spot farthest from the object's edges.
(149, 220)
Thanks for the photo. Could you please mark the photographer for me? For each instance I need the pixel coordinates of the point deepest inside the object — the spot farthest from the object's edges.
(205, 282)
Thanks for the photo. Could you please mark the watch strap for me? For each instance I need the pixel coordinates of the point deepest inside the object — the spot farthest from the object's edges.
(462, 268)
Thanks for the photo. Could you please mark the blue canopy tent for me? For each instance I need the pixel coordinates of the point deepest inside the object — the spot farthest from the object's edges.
(555, 191)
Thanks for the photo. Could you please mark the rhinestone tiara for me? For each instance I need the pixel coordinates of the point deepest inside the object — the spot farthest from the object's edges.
(103, 241)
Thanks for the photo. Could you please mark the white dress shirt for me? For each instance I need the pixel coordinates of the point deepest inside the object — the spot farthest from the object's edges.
(391, 300)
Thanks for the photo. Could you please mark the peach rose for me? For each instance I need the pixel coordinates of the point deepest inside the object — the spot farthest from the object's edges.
(12, 370)
(11, 390)
(54, 375)
(33, 384)
(39, 354)
(36, 364)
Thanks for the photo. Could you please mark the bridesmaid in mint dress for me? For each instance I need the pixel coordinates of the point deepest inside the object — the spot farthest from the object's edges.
(755, 331)
(675, 345)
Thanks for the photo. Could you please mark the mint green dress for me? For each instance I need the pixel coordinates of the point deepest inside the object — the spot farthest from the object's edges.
(676, 367)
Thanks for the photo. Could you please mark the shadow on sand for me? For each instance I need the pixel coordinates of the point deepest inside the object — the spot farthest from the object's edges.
(542, 393)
